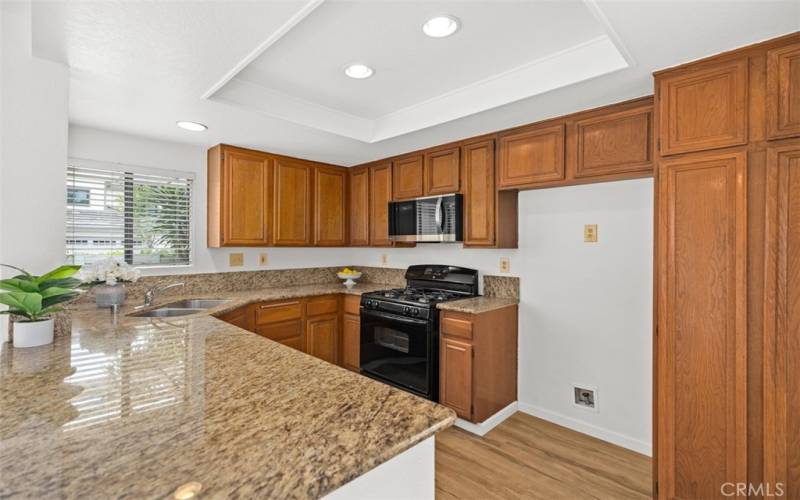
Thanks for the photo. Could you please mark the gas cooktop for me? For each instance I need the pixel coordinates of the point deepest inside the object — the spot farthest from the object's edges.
(416, 296)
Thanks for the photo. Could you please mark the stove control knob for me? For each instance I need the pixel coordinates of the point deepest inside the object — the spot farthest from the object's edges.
(406, 310)
(414, 311)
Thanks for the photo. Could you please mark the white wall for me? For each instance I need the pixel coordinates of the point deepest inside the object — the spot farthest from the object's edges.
(34, 118)
(102, 145)
(586, 308)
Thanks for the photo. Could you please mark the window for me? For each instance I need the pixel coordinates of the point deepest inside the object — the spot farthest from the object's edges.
(135, 214)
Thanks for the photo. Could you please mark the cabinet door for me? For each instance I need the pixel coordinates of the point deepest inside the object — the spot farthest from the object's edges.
(455, 386)
(702, 338)
(380, 192)
(359, 207)
(783, 92)
(479, 194)
(351, 342)
(782, 321)
(293, 200)
(321, 337)
(442, 172)
(407, 177)
(246, 208)
(532, 156)
(330, 186)
(703, 109)
(614, 143)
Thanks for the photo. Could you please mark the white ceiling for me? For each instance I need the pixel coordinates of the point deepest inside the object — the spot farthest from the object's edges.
(268, 74)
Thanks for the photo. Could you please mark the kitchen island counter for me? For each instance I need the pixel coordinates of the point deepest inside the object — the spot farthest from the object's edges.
(138, 407)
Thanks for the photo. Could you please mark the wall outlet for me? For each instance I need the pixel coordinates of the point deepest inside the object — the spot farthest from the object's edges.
(262, 259)
(505, 265)
(384, 259)
(590, 233)
(236, 259)
(585, 396)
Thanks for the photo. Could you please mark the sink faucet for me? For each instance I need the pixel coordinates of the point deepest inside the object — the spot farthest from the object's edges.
(150, 294)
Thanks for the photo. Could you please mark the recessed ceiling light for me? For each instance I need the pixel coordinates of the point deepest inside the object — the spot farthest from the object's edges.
(193, 126)
(440, 26)
(359, 71)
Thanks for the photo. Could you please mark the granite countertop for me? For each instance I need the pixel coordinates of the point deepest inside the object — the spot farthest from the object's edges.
(139, 406)
(476, 305)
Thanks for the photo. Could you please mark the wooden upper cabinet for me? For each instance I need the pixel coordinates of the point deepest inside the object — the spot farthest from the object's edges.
(455, 384)
(330, 206)
(442, 171)
(479, 193)
(359, 206)
(702, 324)
(783, 92)
(293, 203)
(531, 156)
(781, 350)
(407, 177)
(614, 142)
(703, 109)
(380, 193)
(239, 201)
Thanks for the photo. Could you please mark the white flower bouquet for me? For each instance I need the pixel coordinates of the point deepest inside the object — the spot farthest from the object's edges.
(109, 271)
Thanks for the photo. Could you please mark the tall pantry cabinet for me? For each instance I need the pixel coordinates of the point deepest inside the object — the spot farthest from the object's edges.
(727, 260)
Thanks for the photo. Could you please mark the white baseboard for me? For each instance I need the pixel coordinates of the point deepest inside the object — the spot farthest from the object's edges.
(616, 438)
(488, 424)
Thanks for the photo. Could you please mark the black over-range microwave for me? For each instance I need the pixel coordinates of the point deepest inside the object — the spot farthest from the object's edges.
(434, 219)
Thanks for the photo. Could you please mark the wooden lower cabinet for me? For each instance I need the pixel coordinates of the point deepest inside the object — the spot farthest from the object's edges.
(322, 337)
(350, 346)
(241, 317)
(288, 333)
(478, 362)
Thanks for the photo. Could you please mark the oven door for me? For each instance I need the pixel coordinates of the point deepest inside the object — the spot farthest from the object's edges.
(399, 351)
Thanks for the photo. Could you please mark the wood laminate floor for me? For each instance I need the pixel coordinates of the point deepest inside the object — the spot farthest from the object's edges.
(526, 457)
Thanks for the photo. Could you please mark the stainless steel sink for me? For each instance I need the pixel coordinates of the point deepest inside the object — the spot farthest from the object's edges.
(166, 312)
(196, 303)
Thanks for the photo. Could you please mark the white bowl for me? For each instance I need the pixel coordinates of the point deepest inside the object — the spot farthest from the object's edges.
(350, 279)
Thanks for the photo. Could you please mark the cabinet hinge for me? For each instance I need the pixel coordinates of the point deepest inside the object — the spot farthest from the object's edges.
(656, 490)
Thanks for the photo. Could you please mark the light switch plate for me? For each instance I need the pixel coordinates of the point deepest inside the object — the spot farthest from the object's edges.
(590, 233)
(236, 259)
(262, 259)
(505, 265)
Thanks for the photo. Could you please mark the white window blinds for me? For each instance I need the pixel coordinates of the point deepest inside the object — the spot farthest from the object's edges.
(129, 213)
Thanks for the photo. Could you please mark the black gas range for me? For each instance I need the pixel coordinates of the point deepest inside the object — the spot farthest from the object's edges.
(400, 327)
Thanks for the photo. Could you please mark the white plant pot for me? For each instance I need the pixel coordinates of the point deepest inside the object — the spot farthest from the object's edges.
(33, 333)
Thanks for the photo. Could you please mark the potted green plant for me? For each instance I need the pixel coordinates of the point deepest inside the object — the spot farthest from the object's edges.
(35, 298)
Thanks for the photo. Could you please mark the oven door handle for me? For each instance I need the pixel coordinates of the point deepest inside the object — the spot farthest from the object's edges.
(393, 317)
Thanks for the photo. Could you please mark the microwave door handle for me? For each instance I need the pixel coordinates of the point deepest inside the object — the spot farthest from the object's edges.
(439, 215)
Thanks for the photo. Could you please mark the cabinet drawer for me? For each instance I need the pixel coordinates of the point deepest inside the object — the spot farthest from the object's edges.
(277, 312)
(281, 332)
(322, 305)
(352, 304)
(457, 326)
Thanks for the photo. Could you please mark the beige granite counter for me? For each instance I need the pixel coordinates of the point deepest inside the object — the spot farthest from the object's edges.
(139, 406)
(476, 305)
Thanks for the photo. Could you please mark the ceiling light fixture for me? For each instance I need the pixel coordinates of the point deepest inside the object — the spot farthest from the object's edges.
(359, 71)
(193, 126)
(440, 26)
